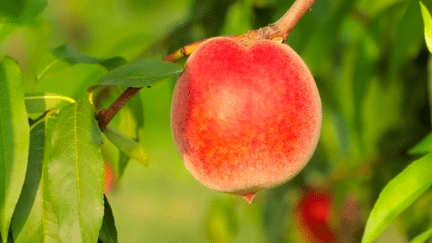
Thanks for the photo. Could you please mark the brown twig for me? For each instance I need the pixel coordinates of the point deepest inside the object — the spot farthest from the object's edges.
(104, 116)
(277, 31)
(285, 25)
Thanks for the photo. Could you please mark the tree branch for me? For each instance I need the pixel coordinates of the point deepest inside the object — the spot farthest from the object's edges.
(277, 31)
(285, 25)
(104, 116)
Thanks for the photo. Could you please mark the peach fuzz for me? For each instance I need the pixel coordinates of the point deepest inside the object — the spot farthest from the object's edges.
(245, 118)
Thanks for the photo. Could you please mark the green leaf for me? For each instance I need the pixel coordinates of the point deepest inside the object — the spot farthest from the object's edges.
(427, 20)
(131, 121)
(239, 18)
(406, 43)
(429, 83)
(374, 8)
(32, 179)
(14, 141)
(41, 102)
(98, 95)
(221, 225)
(357, 66)
(21, 11)
(50, 65)
(50, 230)
(14, 13)
(65, 56)
(34, 219)
(141, 73)
(76, 173)
(127, 145)
(423, 237)
(397, 195)
(6, 28)
(108, 232)
(275, 210)
(58, 73)
(73, 56)
(317, 53)
(211, 23)
(132, 118)
(424, 146)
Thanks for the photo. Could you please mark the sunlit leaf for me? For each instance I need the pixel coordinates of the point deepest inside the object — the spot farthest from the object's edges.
(34, 219)
(424, 146)
(141, 73)
(127, 145)
(108, 232)
(221, 225)
(423, 237)
(76, 173)
(41, 102)
(427, 21)
(50, 230)
(397, 195)
(14, 141)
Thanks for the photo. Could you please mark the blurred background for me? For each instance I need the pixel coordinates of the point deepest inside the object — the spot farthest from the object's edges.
(371, 66)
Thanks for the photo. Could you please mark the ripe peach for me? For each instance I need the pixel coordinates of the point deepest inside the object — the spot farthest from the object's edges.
(245, 118)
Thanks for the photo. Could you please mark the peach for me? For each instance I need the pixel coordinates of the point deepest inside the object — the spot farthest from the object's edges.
(245, 118)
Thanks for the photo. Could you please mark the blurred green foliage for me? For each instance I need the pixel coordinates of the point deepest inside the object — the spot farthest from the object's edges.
(369, 60)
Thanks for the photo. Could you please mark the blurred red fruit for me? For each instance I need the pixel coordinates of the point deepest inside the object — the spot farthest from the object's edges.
(110, 178)
(315, 212)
